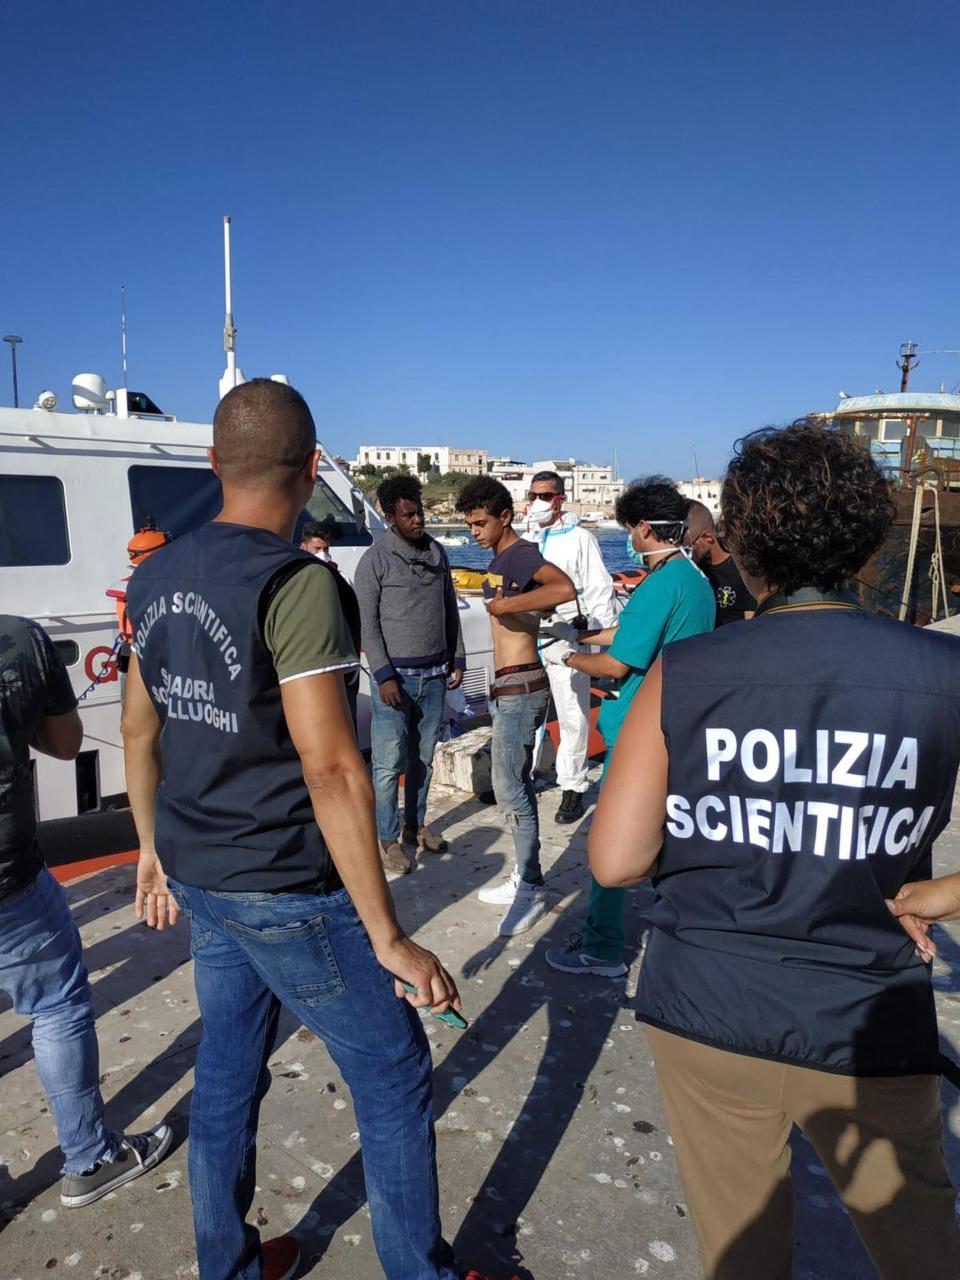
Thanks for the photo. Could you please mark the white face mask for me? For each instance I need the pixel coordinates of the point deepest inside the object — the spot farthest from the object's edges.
(541, 511)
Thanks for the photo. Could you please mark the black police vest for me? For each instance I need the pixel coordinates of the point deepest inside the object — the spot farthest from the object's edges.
(233, 812)
(813, 758)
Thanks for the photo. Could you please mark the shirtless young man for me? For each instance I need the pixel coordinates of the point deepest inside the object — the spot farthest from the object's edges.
(520, 587)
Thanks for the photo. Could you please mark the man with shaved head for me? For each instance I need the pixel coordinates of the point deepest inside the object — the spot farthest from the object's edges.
(734, 601)
(255, 816)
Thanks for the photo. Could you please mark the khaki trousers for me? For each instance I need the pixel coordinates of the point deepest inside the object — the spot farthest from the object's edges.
(880, 1139)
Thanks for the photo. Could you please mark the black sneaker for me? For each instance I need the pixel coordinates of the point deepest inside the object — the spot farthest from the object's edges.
(136, 1153)
(571, 808)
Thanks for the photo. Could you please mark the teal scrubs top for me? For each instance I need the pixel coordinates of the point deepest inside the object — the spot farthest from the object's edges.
(674, 602)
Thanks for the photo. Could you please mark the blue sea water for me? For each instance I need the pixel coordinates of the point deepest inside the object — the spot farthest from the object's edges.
(612, 546)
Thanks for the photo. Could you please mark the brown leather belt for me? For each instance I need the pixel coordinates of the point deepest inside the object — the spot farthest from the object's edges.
(535, 686)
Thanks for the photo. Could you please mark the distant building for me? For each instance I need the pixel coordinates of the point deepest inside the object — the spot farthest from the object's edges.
(589, 486)
(443, 458)
(702, 490)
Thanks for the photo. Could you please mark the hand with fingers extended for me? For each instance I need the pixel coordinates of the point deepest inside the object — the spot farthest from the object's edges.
(922, 903)
(410, 963)
(154, 903)
(561, 630)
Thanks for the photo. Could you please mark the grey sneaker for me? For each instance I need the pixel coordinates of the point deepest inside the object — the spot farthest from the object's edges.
(136, 1153)
(424, 838)
(394, 859)
(572, 959)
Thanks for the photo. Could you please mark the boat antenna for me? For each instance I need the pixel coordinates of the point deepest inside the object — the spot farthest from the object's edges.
(908, 362)
(123, 333)
(229, 379)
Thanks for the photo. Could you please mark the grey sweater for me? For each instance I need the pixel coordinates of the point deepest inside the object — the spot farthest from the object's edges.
(408, 608)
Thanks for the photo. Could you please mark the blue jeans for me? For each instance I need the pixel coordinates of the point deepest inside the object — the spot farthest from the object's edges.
(252, 952)
(403, 740)
(42, 971)
(516, 718)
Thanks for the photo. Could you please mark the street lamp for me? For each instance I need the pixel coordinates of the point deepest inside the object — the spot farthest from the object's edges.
(13, 340)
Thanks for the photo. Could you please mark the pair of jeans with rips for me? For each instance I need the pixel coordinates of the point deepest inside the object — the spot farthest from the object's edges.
(402, 741)
(516, 718)
(42, 971)
(253, 952)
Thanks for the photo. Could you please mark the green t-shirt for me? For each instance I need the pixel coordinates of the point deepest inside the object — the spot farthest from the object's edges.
(674, 602)
(305, 629)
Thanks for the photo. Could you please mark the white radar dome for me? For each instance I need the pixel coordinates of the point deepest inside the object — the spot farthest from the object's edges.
(89, 393)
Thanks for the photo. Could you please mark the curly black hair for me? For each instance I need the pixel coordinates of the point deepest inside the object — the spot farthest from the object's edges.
(804, 505)
(653, 498)
(398, 489)
(485, 493)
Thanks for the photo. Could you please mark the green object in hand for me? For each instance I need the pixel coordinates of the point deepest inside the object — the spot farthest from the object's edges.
(451, 1017)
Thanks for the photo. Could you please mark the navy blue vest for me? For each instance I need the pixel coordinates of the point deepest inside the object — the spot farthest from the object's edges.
(813, 758)
(233, 812)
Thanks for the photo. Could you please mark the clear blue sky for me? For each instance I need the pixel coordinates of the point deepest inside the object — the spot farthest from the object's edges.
(543, 228)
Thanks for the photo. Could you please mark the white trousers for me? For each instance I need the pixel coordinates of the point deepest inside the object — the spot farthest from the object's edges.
(571, 697)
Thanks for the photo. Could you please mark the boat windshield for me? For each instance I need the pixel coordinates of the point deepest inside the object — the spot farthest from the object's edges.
(325, 507)
(179, 499)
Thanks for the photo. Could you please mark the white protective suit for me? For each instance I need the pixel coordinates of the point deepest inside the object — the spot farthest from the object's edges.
(577, 552)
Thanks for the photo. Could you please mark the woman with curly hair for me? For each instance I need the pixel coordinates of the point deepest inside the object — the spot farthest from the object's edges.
(781, 780)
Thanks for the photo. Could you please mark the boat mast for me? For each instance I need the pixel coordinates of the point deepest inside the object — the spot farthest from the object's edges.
(908, 362)
(123, 334)
(229, 379)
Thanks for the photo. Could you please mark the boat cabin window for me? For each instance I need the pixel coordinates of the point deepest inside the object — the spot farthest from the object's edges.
(68, 650)
(950, 427)
(178, 499)
(326, 508)
(894, 429)
(33, 521)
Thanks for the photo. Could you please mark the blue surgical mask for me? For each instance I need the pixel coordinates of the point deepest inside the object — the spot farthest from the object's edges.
(635, 555)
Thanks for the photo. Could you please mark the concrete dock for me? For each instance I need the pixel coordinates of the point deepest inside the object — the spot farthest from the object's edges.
(555, 1161)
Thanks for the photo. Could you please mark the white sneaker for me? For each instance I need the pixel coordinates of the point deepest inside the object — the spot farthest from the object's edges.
(529, 904)
(502, 893)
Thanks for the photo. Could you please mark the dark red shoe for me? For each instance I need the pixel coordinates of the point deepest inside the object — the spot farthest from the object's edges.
(281, 1258)
(481, 1275)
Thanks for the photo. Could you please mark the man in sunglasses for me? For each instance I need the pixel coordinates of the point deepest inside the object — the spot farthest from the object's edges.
(576, 551)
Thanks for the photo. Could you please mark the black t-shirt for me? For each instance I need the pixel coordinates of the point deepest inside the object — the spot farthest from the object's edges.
(513, 570)
(733, 598)
(33, 684)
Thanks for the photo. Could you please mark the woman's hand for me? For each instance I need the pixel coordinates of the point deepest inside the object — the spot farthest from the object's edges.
(925, 902)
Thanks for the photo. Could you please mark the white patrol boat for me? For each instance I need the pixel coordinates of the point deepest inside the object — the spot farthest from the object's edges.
(74, 488)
